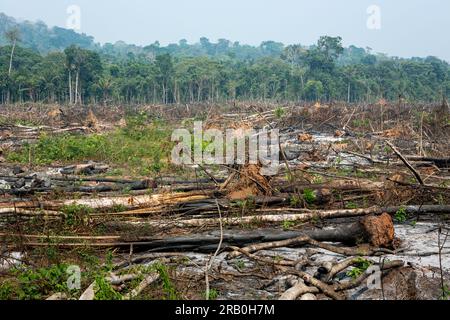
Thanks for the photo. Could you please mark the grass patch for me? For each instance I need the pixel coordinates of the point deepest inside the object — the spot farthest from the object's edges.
(145, 148)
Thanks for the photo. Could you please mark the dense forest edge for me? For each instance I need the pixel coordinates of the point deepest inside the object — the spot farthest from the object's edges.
(56, 65)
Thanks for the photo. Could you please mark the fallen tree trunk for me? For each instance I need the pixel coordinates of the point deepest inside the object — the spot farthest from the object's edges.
(378, 231)
(307, 216)
(344, 185)
(439, 162)
(363, 230)
(131, 201)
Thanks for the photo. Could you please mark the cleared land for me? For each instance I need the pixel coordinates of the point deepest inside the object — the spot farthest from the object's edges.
(360, 186)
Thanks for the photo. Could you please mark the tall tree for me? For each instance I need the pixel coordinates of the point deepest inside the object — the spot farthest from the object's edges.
(13, 36)
(165, 66)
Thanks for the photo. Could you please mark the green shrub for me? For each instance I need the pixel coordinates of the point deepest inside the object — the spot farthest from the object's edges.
(279, 112)
(309, 196)
(401, 215)
(76, 214)
(40, 283)
(213, 294)
(6, 290)
(104, 291)
(168, 287)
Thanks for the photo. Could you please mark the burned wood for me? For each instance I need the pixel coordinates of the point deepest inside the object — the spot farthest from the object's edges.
(439, 162)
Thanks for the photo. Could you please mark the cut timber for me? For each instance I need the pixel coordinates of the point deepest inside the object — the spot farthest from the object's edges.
(326, 289)
(298, 290)
(252, 241)
(133, 201)
(378, 231)
(89, 293)
(360, 185)
(307, 216)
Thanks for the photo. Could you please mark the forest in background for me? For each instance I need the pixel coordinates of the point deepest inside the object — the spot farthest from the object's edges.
(56, 65)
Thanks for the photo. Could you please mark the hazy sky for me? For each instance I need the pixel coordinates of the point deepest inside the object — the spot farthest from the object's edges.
(408, 27)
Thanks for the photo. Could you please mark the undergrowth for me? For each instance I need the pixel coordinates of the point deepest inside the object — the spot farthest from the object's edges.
(141, 146)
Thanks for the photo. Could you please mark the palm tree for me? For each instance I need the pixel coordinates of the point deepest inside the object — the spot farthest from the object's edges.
(105, 84)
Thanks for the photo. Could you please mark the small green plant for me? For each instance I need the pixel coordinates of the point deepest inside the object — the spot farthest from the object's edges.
(358, 123)
(6, 290)
(168, 287)
(361, 266)
(213, 294)
(445, 293)
(295, 201)
(315, 220)
(317, 179)
(118, 208)
(126, 190)
(39, 283)
(351, 205)
(287, 225)
(278, 259)
(109, 264)
(338, 161)
(279, 112)
(104, 291)
(245, 205)
(76, 214)
(239, 264)
(401, 215)
(290, 177)
(309, 196)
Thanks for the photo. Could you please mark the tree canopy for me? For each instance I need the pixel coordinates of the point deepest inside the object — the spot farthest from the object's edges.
(185, 73)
